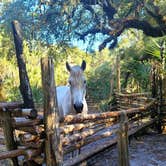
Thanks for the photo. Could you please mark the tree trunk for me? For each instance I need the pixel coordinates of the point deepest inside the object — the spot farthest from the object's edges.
(127, 76)
(154, 82)
(25, 88)
(118, 73)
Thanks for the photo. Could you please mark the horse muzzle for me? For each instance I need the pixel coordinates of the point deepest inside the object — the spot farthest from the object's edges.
(78, 107)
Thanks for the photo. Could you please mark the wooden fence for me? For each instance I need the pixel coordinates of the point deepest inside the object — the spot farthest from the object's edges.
(39, 137)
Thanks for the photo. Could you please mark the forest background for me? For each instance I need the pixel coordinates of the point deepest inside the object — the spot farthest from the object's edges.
(73, 30)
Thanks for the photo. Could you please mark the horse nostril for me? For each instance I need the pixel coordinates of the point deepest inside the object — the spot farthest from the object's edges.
(78, 107)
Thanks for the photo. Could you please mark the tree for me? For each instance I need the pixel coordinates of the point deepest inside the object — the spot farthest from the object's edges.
(155, 53)
(64, 20)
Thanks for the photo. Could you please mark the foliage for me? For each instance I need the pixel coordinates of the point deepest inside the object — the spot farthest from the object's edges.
(32, 54)
(53, 27)
(155, 53)
(99, 82)
(104, 21)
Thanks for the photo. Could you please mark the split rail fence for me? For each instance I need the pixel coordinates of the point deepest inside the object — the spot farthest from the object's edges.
(52, 140)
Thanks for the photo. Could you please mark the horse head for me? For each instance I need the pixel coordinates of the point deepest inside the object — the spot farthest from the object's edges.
(77, 84)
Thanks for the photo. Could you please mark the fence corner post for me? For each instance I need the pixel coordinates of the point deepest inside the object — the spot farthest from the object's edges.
(123, 151)
(53, 146)
(8, 134)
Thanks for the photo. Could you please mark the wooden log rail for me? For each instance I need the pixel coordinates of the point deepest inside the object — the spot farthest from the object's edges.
(28, 153)
(82, 135)
(76, 130)
(77, 141)
(87, 141)
(132, 94)
(82, 157)
(134, 100)
(142, 112)
(10, 105)
(71, 119)
(10, 111)
(67, 129)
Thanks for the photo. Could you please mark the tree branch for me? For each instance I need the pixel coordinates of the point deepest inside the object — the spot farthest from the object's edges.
(93, 31)
(149, 30)
(90, 9)
(112, 40)
(108, 9)
(158, 17)
(89, 2)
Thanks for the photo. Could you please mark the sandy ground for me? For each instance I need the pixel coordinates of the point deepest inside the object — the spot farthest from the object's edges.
(147, 150)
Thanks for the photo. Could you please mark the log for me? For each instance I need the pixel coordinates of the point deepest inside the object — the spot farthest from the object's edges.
(71, 147)
(24, 112)
(28, 153)
(139, 117)
(102, 147)
(133, 94)
(24, 122)
(27, 137)
(143, 126)
(30, 141)
(53, 146)
(97, 116)
(79, 118)
(86, 141)
(32, 145)
(66, 129)
(10, 105)
(81, 136)
(92, 152)
(31, 153)
(8, 134)
(25, 88)
(12, 153)
(34, 130)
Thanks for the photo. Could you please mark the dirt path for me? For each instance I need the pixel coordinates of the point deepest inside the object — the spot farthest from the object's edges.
(148, 150)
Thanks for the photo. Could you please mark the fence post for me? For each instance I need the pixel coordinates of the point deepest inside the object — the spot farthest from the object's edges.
(25, 87)
(53, 147)
(123, 152)
(8, 134)
(159, 119)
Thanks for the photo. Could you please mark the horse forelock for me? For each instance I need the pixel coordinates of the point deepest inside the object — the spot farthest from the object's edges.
(76, 73)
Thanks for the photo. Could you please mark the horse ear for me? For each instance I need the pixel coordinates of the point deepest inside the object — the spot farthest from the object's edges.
(83, 65)
(68, 66)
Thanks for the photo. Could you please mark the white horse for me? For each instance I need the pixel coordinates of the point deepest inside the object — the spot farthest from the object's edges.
(71, 99)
